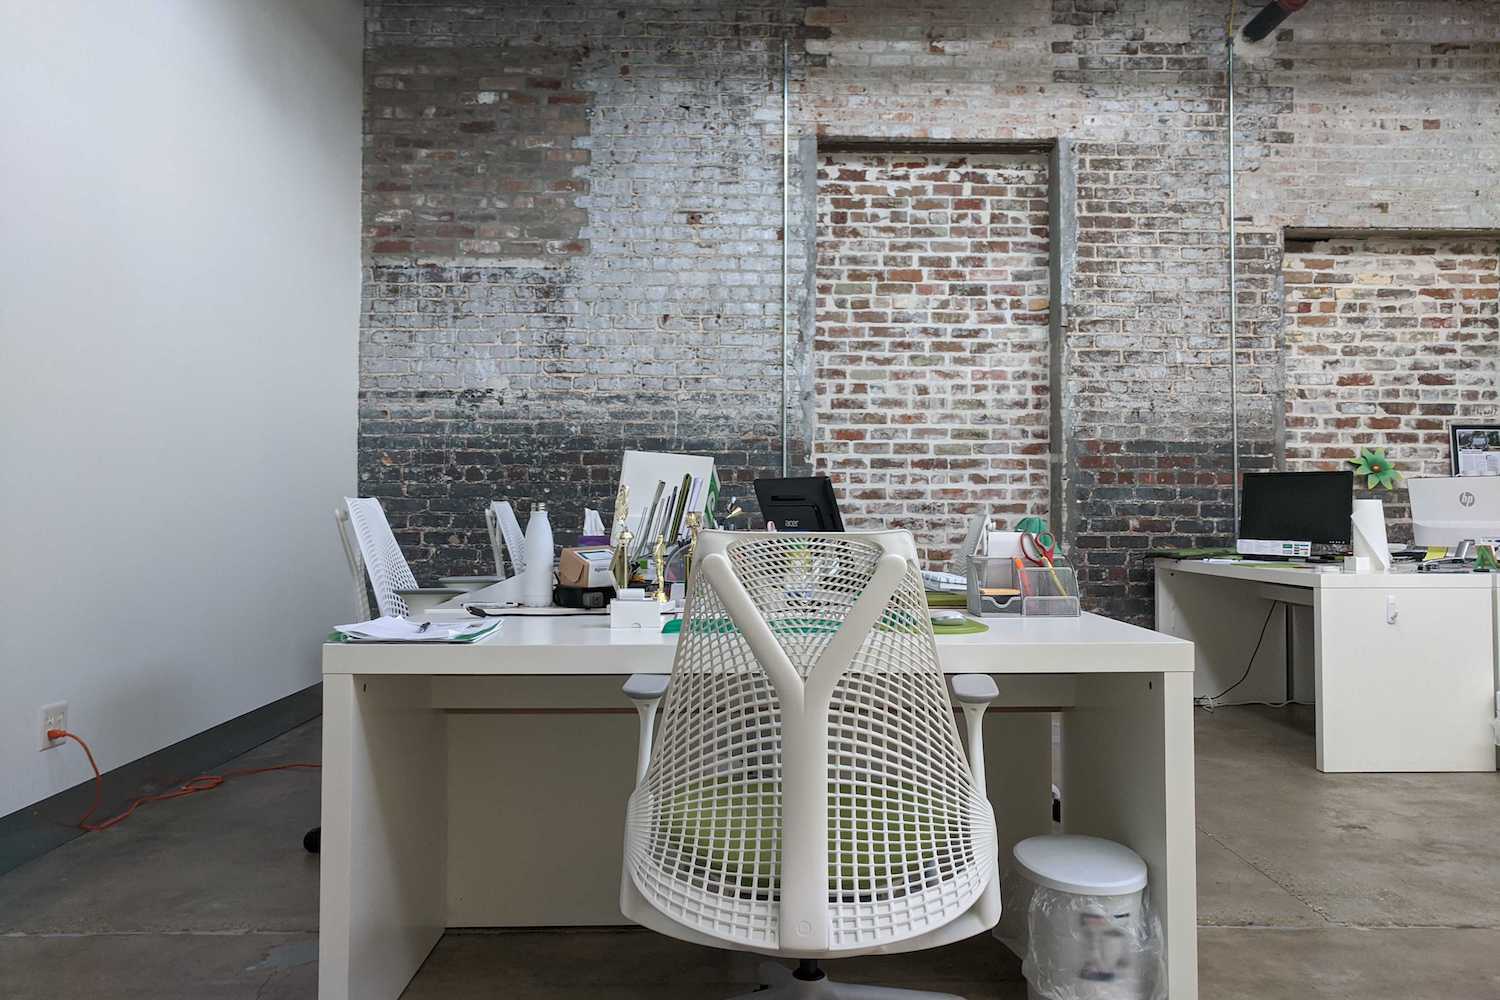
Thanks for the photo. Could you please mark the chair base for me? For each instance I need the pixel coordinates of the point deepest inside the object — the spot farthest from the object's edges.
(780, 984)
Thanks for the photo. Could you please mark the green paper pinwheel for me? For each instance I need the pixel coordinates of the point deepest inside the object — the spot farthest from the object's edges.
(1379, 471)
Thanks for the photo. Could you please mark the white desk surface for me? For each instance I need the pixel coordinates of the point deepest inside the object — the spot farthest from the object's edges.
(586, 645)
(1295, 576)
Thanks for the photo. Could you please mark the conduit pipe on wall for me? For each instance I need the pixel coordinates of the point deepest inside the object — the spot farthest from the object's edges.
(1259, 26)
(1270, 17)
(1234, 314)
(786, 239)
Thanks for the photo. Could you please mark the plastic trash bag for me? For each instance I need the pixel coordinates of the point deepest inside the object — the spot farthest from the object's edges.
(1092, 947)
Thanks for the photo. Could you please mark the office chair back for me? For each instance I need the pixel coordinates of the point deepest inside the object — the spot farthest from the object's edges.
(356, 564)
(382, 557)
(808, 794)
(505, 531)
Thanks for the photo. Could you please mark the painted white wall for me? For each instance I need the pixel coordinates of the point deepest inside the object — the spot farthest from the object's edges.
(179, 300)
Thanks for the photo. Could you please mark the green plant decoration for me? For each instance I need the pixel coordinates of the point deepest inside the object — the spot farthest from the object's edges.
(1379, 471)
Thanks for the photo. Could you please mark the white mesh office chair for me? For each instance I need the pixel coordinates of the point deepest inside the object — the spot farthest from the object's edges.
(808, 795)
(356, 563)
(381, 555)
(505, 530)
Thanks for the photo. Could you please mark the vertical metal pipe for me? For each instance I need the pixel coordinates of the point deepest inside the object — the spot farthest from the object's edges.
(1234, 313)
(786, 239)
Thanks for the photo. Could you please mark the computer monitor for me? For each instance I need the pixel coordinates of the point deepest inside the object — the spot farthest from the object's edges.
(1453, 509)
(802, 504)
(1296, 513)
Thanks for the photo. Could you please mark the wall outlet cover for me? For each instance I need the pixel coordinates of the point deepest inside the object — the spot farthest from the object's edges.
(53, 716)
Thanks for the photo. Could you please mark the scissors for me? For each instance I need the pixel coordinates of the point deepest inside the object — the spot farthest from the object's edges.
(1039, 547)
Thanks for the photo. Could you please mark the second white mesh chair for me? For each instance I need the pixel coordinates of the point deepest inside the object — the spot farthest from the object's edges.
(505, 531)
(808, 795)
(381, 555)
(356, 561)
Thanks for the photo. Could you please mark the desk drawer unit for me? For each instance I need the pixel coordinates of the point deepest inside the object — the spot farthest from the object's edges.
(1406, 678)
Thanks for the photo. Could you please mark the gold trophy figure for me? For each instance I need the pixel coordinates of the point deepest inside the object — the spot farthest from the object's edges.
(619, 566)
(622, 508)
(695, 525)
(659, 554)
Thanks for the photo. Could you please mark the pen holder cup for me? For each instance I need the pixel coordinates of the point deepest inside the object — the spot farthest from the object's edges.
(997, 588)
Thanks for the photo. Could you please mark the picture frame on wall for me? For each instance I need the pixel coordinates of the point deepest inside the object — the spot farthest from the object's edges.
(1474, 449)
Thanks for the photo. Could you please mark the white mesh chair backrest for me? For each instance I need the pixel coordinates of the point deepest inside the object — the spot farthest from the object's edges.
(505, 530)
(711, 540)
(356, 564)
(382, 556)
(808, 790)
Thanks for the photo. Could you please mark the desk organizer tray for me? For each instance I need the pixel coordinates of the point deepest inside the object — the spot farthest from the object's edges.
(997, 587)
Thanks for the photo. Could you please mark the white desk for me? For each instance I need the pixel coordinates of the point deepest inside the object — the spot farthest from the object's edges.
(1403, 664)
(485, 785)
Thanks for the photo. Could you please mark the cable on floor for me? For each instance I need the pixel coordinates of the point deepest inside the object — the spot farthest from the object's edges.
(202, 783)
(1211, 701)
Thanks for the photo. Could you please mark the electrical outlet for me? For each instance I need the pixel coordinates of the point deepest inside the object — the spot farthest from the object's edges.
(53, 716)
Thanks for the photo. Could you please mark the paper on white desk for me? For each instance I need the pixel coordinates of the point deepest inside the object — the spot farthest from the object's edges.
(1369, 539)
(507, 591)
(389, 629)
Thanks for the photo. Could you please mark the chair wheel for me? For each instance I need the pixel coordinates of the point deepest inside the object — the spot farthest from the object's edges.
(312, 840)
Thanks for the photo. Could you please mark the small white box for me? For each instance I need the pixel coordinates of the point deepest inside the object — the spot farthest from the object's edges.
(635, 614)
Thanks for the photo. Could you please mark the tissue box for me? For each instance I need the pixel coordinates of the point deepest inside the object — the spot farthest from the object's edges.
(635, 614)
(585, 568)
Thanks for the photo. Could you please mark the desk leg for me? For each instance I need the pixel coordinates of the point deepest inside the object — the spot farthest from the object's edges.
(384, 853)
(1128, 776)
(1018, 769)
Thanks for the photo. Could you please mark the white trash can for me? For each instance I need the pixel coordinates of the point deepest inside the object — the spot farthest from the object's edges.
(1088, 935)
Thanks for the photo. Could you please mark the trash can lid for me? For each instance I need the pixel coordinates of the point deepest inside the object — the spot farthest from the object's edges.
(1084, 866)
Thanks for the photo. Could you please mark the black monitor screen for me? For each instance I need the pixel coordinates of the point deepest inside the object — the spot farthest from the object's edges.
(805, 504)
(1297, 506)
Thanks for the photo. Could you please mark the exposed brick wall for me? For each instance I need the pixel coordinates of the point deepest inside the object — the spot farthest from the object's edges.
(1137, 89)
(573, 215)
(1387, 342)
(663, 323)
(472, 152)
(1373, 114)
(931, 374)
(1356, 116)
(1364, 115)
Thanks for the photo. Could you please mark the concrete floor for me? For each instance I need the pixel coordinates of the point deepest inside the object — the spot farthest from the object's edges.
(1376, 887)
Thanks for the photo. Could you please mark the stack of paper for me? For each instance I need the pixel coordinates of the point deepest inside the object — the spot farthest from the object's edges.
(406, 630)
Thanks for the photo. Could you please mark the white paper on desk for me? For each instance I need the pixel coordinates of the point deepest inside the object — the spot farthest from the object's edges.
(387, 629)
(1369, 539)
(593, 524)
(507, 591)
(497, 611)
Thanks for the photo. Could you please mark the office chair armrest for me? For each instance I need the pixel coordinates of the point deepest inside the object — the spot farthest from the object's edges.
(974, 692)
(646, 691)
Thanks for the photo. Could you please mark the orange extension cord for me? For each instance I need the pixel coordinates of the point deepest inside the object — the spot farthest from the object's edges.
(202, 783)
